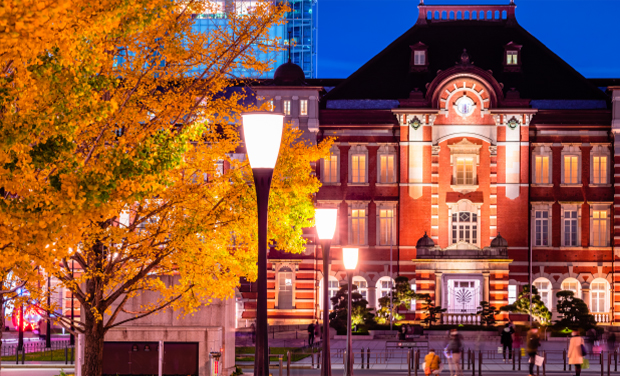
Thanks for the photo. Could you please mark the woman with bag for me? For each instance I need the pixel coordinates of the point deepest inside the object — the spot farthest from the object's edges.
(576, 352)
(432, 363)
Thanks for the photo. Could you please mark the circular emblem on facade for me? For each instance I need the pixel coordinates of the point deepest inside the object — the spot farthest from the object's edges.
(415, 123)
(464, 105)
(512, 123)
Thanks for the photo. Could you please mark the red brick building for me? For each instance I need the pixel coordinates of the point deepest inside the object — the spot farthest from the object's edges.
(463, 128)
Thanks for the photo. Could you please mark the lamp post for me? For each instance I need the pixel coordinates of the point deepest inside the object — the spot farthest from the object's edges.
(263, 134)
(48, 336)
(71, 336)
(326, 220)
(349, 257)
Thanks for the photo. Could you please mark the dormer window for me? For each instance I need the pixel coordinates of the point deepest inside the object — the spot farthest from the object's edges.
(512, 57)
(419, 57)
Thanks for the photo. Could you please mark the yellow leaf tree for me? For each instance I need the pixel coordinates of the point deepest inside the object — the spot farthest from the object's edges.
(114, 130)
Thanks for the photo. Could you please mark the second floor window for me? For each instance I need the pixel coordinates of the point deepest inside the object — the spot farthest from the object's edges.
(541, 228)
(303, 107)
(386, 229)
(358, 226)
(571, 169)
(541, 169)
(465, 171)
(570, 228)
(287, 107)
(599, 228)
(465, 227)
(599, 169)
(358, 168)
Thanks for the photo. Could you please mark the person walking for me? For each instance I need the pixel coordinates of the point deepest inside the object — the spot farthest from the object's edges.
(455, 348)
(317, 330)
(311, 334)
(432, 363)
(611, 341)
(532, 343)
(575, 352)
(506, 341)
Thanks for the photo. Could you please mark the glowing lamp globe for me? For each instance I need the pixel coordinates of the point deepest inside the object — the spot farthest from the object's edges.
(326, 222)
(349, 256)
(263, 134)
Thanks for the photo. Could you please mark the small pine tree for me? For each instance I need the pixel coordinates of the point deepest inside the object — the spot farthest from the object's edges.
(574, 311)
(487, 313)
(538, 310)
(402, 295)
(360, 313)
(432, 311)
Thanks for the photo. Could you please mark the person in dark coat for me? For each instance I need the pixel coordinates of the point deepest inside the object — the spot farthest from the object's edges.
(311, 334)
(532, 343)
(506, 341)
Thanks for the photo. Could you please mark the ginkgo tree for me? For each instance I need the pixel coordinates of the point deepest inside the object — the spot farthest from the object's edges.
(116, 117)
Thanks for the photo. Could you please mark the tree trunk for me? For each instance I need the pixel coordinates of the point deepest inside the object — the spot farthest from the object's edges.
(93, 349)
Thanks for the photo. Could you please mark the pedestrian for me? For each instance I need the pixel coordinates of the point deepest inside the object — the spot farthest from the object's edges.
(575, 352)
(611, 341)
(432, 363)
(253, 331)
(506, 341)
(311, 334)
(516, 341)
(455, 348)
(402, 333)
(532, 343)
(317, 330)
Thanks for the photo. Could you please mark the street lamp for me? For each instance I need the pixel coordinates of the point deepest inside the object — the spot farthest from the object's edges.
(349, 257)
(263, 134)
(326, 220)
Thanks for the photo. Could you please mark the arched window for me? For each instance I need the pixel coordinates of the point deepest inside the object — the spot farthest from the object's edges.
(362, 286)
(599, 301)
(332, 288)
(571, 284)
(543, 285)
(384, 286)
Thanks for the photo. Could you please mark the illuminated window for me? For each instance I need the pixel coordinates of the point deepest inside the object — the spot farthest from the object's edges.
(384, 287)
(600, 228)
(331, 167)
(512, 294)
(362, 286)
(464, 171)
(386, 226)
(542, 158)
(358, 158)
(571, 284)
(387, 164)
(358, 226)
(287, 107)
(512, 57)
(303, 107)
(332, 289)
(571, 164)
(465, 227)
(544, 290)
(542, 170)
(600, 165)
(599, 301)
(245, 6)
(419, 57)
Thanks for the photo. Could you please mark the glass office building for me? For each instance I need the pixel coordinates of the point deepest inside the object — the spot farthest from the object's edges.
(300, 28)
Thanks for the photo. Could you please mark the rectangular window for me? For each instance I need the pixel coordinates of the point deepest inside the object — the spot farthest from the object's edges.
(330, 166)
(287, 107)
(600, 169)
(541, 225)
(512, 57)
(358, 226)
(571, 169)
(543, 291)
(542, 170)
(358, 168)
(598, 296)
(387, 169)
(464, 171)
(386, 221)
(599, 228)
(419, 57)
(570, 228)
(512, 294)
(303, 107)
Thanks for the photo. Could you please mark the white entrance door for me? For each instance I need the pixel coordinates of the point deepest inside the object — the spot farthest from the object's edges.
(463, 296)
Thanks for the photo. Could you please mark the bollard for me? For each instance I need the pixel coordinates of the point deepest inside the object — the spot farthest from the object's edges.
(615, 360)
(462, 361)
(288, 363)
(409, 362)
(564, 358)
(514, 360)
(416, 361)
(602, 366)
(362, 351)
(519, 360)
(544, 362)
(367, 357)
(608, 363)
(312, 356)
(66, 355)
(16, 355)
(281, 366)
(473, 363)
(23, 355)
(480, 363)
(318, 359)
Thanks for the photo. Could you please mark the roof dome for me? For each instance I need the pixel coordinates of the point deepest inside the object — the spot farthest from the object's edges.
(289, 74)
(425, 242)
(499, 242)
